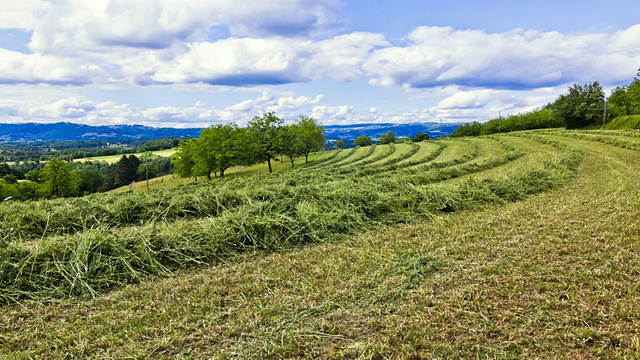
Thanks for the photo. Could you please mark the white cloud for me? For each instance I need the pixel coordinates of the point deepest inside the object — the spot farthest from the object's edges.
(518, 59)
(81, 25)
(16, 67)
(22, 14)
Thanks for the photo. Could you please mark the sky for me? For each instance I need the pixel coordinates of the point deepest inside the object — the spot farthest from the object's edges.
(196, 63)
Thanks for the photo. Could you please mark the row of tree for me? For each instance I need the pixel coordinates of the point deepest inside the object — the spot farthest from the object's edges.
(59, 178)
(221, 147)
(77, 149)
(584, 105)
(387, 138)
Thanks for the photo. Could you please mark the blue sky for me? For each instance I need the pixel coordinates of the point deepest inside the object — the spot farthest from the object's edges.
(194, 63)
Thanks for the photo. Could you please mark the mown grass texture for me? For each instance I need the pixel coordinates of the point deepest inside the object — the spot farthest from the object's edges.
(510, 281)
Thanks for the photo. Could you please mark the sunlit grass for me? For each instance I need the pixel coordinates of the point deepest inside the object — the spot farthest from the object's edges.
(551, 275)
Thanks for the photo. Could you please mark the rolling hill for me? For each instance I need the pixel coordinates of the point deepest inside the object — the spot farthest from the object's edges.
(520, 245)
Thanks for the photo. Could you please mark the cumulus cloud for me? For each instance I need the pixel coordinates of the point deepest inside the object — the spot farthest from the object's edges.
(247, 61)
(23, 14)
(153, 24)
(518, 59)
(16, 68)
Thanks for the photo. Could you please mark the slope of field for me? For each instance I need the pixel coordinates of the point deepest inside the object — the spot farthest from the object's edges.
(542, 262)
(110, 159)
(624, 123)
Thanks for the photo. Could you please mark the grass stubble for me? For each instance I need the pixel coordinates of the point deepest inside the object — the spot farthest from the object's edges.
(552, 276)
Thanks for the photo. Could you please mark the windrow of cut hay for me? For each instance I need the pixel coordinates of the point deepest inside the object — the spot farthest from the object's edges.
(150, 234)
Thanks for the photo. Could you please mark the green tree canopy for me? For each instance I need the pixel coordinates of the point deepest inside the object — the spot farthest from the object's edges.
(363, 140)
(625, 100)
(340, 144)
(60, 181)
(264, 130)
(582, 106)
(184, 159)
(311, 135)
(290, 142)
(388, 138)
(421, 137)
(223, 146)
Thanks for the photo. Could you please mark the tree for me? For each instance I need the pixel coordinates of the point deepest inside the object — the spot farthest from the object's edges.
(421, 137)
(467, 129)
(10, 179)
(388, 138)
(363, 140)
(126, 170)
(625, 100)
(90, 181)
(290, 142)
(582, 106)
(60, 181)
(264, 130)
(311, 135)
(221, 147)
(340, 144)
(184, 158)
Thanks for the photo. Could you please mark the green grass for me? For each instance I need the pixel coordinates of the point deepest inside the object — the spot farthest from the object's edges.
(624, 123)
(110, 159)
(541, 263)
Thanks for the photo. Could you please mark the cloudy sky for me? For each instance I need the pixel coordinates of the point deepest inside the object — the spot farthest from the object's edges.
(193, 63)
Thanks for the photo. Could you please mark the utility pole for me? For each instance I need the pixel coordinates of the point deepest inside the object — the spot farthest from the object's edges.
(604, 119)
(146, 170)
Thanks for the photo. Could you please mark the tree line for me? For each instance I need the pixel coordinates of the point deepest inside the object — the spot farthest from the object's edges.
(77, 149)
(582, 106)
(265, 137)
(59, 178)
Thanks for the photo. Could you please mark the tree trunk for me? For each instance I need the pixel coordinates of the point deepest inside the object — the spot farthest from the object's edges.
(306, 157)
(292, 160)
(221, 173)
(269, 162)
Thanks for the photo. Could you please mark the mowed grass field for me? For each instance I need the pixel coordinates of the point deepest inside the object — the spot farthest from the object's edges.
(110, 159)
(522, 245)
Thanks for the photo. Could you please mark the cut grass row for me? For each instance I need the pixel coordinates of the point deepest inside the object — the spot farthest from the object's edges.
(554, 276)
(271, 216)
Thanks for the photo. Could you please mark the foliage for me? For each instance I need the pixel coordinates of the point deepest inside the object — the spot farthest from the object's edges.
(467, 129)
(625, 100)
(582, 106)
(184, 159)
(290, 142)
(421, 137)
(363, 140)
(388, 138)
(310, 135)
(221, 147)
(544, 118)
(264, 131)
(59, 180)
(340, 144)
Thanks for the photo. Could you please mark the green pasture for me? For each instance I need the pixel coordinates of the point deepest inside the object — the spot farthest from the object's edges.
(519, 245)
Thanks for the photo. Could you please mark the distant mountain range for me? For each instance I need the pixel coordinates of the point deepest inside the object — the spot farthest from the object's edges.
(350, 132)
(71, 131)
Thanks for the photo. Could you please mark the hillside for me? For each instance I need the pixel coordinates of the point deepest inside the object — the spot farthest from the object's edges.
(522, 245)
(624, 123)
(71, 131)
